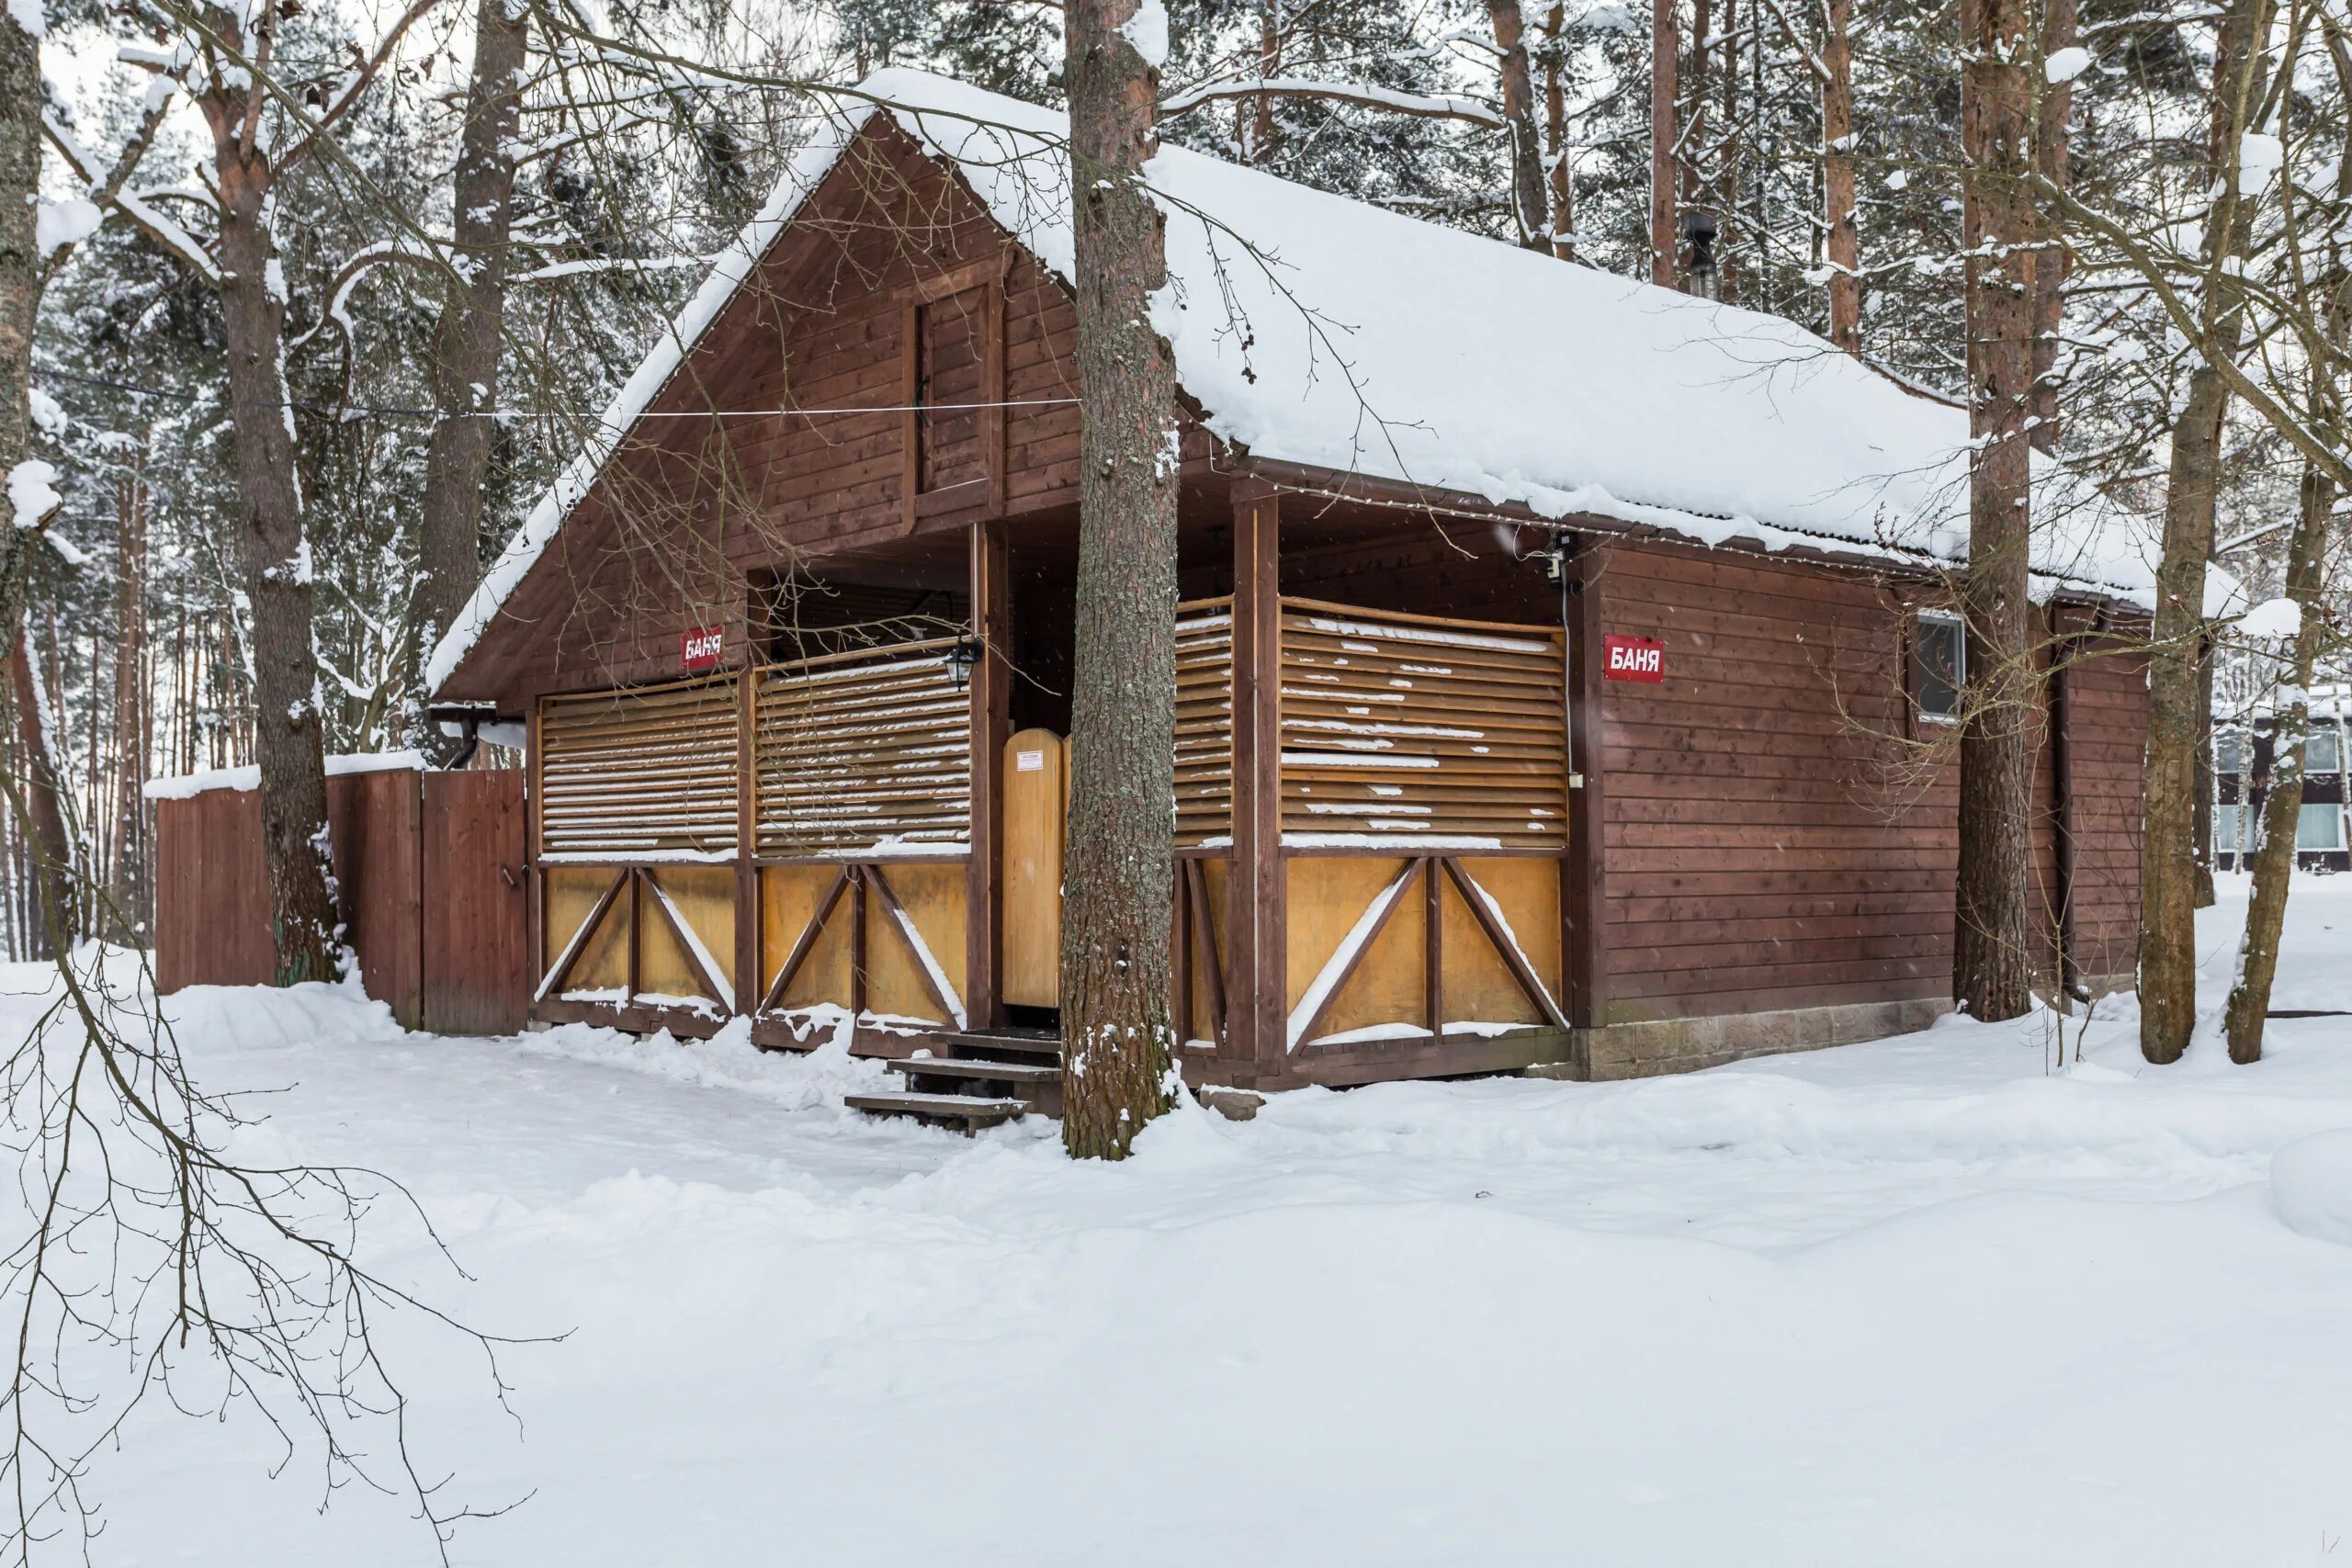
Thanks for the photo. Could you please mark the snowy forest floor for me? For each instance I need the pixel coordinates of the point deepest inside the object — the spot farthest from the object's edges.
(1946, 1299)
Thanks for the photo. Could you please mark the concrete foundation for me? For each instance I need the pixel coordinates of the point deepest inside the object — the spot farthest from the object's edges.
(1653, 1046)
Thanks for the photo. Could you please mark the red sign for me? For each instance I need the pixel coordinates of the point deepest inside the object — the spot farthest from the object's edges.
(1632, 659)
(698, 650)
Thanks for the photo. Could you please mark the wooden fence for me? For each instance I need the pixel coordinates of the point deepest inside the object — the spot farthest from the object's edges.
(429, 873)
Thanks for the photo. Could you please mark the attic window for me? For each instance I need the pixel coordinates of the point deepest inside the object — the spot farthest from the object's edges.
(949, 383)
(1939, 665)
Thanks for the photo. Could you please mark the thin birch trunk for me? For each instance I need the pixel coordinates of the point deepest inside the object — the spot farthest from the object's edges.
(2167, 841)
(1118, 881)
(1992, 952)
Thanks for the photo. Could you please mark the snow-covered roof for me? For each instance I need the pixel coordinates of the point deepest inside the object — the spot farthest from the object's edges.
(1318, 330)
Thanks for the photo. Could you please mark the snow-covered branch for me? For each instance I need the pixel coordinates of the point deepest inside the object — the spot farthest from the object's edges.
(1363, 95)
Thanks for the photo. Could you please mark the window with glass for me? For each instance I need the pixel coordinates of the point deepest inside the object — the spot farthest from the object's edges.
(2320, 826)
(2322, 751)
(1939, 665)
(2229, 752)
(2225, 828)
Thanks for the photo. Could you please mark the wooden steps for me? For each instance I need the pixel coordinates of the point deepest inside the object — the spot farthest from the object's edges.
(975, 1079)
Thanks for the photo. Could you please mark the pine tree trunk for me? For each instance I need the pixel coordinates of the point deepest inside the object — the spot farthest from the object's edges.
(473, 316)
(1844, 237)
(1530, 201)
(289, 738)
(1555, 133)
(1665, 47)
(2061, 24)
(48, 847)
(2274, 862)
(127, 854)
(2201, 814)
(1993, 955)
(2169, 849)
(1118, 878)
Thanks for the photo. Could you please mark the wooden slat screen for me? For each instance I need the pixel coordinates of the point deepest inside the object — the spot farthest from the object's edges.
(1400, 730)
(636, 775)
(863, 752)
(1204, 721)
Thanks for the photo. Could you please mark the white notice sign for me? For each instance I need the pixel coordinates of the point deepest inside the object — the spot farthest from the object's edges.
(1028, 762)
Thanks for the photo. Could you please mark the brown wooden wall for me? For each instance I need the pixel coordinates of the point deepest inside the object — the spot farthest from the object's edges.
(428, 880)
(693, 507)
(1778, 833)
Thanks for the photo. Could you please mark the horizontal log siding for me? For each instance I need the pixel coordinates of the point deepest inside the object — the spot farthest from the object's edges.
(689, 507)
(1767, 847)
(2111, 736)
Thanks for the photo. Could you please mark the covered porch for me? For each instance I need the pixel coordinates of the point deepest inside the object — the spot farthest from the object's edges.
(1375, 808)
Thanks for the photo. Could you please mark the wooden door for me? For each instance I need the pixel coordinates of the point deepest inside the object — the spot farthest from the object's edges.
(1037, 804)
(477, 957)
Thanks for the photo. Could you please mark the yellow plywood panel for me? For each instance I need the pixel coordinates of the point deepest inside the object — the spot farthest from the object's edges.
(1478, 986)
(1326, 897)
(571, 896)
(788, 895)
(702, 898)
(1386, 986)
(932, 898)
(1036, 803)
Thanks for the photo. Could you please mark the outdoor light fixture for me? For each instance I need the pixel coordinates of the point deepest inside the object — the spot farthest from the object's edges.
(960, 659)
(1699, 233)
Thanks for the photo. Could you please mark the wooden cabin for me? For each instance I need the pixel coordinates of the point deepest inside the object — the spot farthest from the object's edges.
(1563, 671)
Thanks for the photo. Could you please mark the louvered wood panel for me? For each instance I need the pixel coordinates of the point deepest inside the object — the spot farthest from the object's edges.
(1204, 721)
(1401, 730)
(862, 753)
(640, 775)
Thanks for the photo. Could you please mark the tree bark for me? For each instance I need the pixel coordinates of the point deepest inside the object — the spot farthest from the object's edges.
(1118, 878)
(1844, 237)
(2274, 862)
(287, 733)
(1555, 133)
(47, 846)
(466, 341)
(46, 843)
(2060, 26)
(2167, 841)
(1531, 204)
(2201, 809)
(1993, 954)
(1665, 47)
(127, 853)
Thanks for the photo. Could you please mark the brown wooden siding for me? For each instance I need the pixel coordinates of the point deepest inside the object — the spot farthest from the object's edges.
(1772, 839)
(691, 506)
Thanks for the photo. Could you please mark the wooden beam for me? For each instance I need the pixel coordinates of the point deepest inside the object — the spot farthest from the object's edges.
(748, 923)
(856, 944)
(1390, 899)
(1433, 947)
(572, 949)
(1196, 892)
(1507, 950)
(952, 1011)
(1584, 870)
(991, 726)
(688, 943)
(1257, 972)
(808, 940)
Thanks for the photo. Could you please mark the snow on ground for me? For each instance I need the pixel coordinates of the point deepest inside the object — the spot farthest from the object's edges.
(1949, 1299)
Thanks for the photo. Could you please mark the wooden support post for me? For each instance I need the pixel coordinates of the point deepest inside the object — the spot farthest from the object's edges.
(1257, 970)
(2063, 647)
(1584, 950)
(747, 986)
(1433, 947)
(991, 695)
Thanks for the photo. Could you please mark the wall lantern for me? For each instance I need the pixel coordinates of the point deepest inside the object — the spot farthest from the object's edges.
(960, 659)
